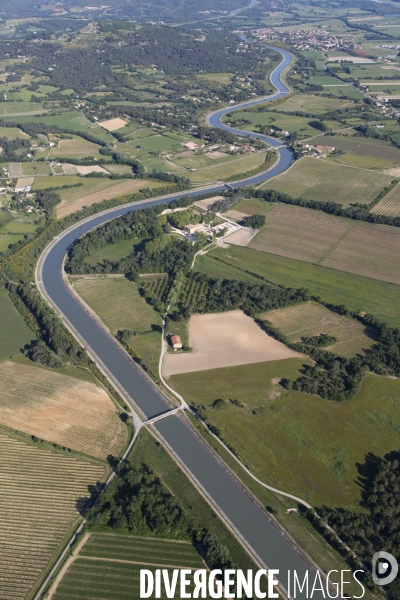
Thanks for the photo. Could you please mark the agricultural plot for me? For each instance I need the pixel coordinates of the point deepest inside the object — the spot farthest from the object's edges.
(236, 340)
(35, 168)
(366, 153)
(361, 248)
(253, 206)
(112, 124)
(310, 103)
(69, 412)
(12, 133)
(109, 566)
(284, 121)
(15, 109)
(310, 319)
(228, 170)
(390, 204)
(117, 302)
(75, 199)
(324, 181)
(156, 284)
(14, 333)
(76, 148)
(358, 293)
(299, 434)
(34, 525)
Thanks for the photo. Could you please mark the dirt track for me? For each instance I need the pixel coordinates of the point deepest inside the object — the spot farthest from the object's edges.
(225, 340)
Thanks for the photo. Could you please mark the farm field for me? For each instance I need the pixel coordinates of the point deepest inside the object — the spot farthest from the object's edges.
(117, 302)
(310, 319)
(109, 566)
(35, 168)
(362, 248)
(69, 412)
(78, 147)
(358, 293)
(284, 121)
(310, 103)
(9, 109)
(390, 204)
(33, 526)
(237, 340)
(362, 152)
(14, 333)
(228, 170)
(12, 133)
(324, 181)
(288, 439)
(73, 200)
(253, 206)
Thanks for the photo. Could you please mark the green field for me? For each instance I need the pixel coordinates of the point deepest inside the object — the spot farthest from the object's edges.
(287, 443)
(358, 293)
(78, 147)
(12, 133)
(310, 103)
(35, 168)
(227, 171)
(14, 333)
(360, 152)
(109, 566)
(313, 179)
(253, 206)
(117, 302)
(284, 121)
(112, 252)
(8, 109)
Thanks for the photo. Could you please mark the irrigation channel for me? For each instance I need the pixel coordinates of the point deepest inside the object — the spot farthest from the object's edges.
(262, 535)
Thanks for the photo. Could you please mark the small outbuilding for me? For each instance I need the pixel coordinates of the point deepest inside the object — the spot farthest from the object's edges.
(176, 342)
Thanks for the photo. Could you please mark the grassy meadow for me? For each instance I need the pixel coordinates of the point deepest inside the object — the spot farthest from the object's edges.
(14, 333)
(358, 293)
(287, 439)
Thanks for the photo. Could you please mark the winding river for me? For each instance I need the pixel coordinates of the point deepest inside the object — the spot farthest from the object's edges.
(252, 524)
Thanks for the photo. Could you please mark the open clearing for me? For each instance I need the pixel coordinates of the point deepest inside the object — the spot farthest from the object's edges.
(390, 204)
(14, 333)
(225, 340)
(79, 170)
(112, 124)
(118, 304)
(69, 412)
(41, 494)
(242, 237)
(319, 180)
(228, 170)
(362, 248)
(309, 319)
(111, 189)
(309, 103)
(303, 444)
(76, 148)
(108, 565)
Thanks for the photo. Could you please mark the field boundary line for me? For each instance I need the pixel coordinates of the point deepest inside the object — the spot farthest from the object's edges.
(336, 244)
(134, 562)
(62, 572)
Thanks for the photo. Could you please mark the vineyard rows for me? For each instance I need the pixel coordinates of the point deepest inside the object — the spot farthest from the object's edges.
(41, 493)
(390, 204)
(319, 180)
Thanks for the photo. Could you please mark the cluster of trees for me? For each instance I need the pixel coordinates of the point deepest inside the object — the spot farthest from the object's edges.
(377, 526)
(254, 221)
(137, 502)
(55, 343)
(10, 147)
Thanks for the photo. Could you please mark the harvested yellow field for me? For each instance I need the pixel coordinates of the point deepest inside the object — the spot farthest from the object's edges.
(309, 319)
(41, 494)
(117, 303)
(76, 147)
(225, 340)
(390, 204)
(319, 180)
(69, 412)
(112, 124)
(112, 190)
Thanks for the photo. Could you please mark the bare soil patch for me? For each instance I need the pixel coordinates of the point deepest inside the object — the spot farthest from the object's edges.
(70, 169)
(225, 340)
(216, 154)
(208, 201)
(112, 124)
(241, 237)
(24, 181)
(70, 412)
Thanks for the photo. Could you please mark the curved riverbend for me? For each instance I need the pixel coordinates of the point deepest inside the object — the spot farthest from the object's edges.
(257, 530)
